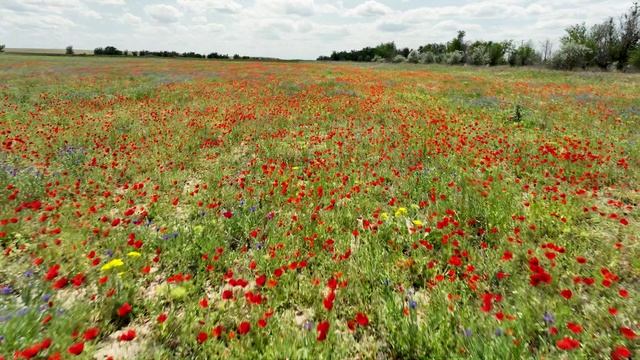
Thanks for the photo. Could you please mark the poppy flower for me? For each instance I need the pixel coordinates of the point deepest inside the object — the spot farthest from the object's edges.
(162, 318)
(124, 310)
(217, 331)
(202, 337)
(76, 349)
(575, 328)
(567, 343)
(244, 327)
(322, 328)
(628, 333)
(621, 353)
(362, 319)
(566, 293)
(91, 333)
(127, 335)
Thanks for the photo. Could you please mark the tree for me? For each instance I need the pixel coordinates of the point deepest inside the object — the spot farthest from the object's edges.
(1, 48)
(571, 55)
(523, 55)
(69, 50)
(629, 34)
(546, 48)
(605, 43)
(634, 58)
(414, 57)
(457, 44)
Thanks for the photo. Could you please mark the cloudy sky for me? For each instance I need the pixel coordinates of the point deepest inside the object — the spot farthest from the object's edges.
(302, 29)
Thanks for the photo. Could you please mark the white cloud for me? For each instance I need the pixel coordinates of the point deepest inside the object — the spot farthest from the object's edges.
(288, 7)
(109, 2)
(202, 6)
(131, 19)
(369, 8)
(163, 13)
(392, 26)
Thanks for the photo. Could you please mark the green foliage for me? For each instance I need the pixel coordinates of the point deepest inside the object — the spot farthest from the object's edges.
(634, 58)
(69, 50)
(414, 57)
(454, 58)
(571, 55)
(457, 44)
(523, 55)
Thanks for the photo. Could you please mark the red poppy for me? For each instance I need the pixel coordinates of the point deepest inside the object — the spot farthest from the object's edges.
(567, 343)
(76, 349)
(127, 335)
(217, 331)
(621, 353)
(162, 318)
(628, 333)
(124, 310)
(322, 328)
(575, 328)
(91, 333)
(204, 303)
(362, 319)
(566, 293)
(202, 337)
(227, 295)
(244, 327)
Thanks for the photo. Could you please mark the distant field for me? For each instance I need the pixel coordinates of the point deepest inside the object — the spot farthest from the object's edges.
(163, 209)
(46, 51)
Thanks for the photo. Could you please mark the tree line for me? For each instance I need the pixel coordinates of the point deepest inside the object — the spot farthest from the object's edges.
(614, 43)
(113, 51)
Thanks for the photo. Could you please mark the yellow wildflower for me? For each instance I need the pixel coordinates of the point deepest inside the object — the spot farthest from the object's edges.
(401, 211)
(134, 254)
(417, 222)
(112, 264)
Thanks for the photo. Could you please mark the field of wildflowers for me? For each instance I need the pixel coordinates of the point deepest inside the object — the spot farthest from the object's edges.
(200, 209)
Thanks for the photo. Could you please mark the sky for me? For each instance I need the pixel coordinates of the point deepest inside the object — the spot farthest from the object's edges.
(288, 29)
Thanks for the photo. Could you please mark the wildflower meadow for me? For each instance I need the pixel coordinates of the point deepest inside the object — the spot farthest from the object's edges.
(193, 209)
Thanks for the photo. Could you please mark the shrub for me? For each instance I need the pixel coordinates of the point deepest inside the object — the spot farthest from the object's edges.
(454, 58)
(399, 59)
(69, 50)
(570, 56)
(414, 57)
(478, 55)
(1, 48)
(427, 58)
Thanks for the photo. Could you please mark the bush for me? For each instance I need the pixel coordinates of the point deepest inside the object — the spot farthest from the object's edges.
(454, 58)
(427, 58)
(570, 56)
(399, 59)
(377, 58)
(69, 50)
(2, 48)
(478, 55)
(414, 57)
